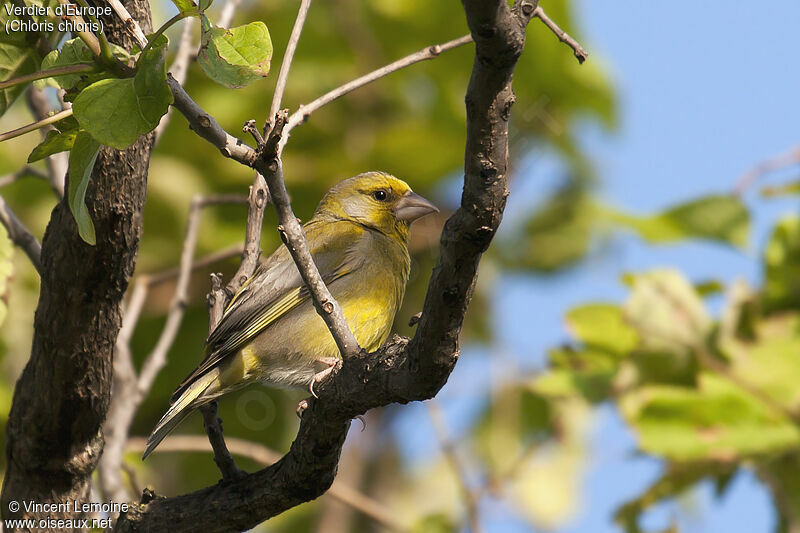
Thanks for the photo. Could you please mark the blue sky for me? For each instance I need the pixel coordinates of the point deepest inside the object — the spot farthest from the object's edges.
(706, 90)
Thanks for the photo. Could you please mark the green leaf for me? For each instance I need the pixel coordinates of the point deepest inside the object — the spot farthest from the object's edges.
(235, 57)
(205, 4)
(55, 142)
(667, 312)
(593, 386)
(675, 481)
(782, 475)
(6, 269)
(717, 421)
(185, 6)
(782, 266)
(81, 161)
(602, 326)
(434, 523)
(709, 287)
(117, 111)
(16, 59)
(719, 218)
(75, 52)
(771, 364)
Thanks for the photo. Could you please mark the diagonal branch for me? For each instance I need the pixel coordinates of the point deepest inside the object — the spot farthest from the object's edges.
(286, 64)
(580, 54)
(783, 160)
(20, 235)
(269, 165)
(266, 456)
(429, 52)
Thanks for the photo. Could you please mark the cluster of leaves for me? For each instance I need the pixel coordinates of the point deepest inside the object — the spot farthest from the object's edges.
(564, 229)
(708, 395)
(119, 96)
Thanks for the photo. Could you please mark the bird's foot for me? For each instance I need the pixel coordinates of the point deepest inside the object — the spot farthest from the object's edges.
(319, 376)
(301, 407)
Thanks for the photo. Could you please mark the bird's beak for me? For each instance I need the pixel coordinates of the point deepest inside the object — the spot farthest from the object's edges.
(413, 206)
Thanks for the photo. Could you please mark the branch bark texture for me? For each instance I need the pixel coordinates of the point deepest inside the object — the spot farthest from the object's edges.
(402, 370)
(60, 402)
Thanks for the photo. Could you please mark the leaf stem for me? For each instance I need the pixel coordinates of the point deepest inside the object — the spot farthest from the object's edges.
(36, 125)
(105, 48)
(50, 73)
(165, 27)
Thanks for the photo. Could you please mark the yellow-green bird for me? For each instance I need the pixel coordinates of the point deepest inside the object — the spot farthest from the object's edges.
(270, 331)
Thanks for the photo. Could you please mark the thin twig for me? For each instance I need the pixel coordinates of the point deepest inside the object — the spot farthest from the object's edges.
(56, 163)
(212, 424)
(266, 456)
(563, 36)
(778, 162)
(469, 495)
(158, 356)
(180, 67)
(20, 235)
(203, 262)
(89, 38)
(429, 52)
(286, 63)
(35, 125)
(217, 299)
(50, 73)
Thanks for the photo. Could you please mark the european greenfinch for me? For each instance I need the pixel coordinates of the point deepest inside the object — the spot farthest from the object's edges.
(270, 331)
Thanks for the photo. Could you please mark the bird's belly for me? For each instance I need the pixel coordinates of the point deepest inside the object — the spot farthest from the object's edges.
(290, 351)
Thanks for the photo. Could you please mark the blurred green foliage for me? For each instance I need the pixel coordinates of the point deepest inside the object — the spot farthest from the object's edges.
(708, 396)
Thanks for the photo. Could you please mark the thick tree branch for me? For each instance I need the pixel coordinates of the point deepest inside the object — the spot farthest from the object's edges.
(401, 371)
(266, 456)
(61, 400)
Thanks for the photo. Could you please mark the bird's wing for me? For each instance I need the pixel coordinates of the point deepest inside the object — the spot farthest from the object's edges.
(276, 288)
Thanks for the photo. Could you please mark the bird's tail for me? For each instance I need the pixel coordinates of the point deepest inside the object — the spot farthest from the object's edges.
(179, 409)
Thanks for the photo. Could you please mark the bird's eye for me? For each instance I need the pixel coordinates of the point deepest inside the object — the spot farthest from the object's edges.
(380, 195)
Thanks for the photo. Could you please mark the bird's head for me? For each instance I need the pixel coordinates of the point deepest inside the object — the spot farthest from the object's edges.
(376, 200)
